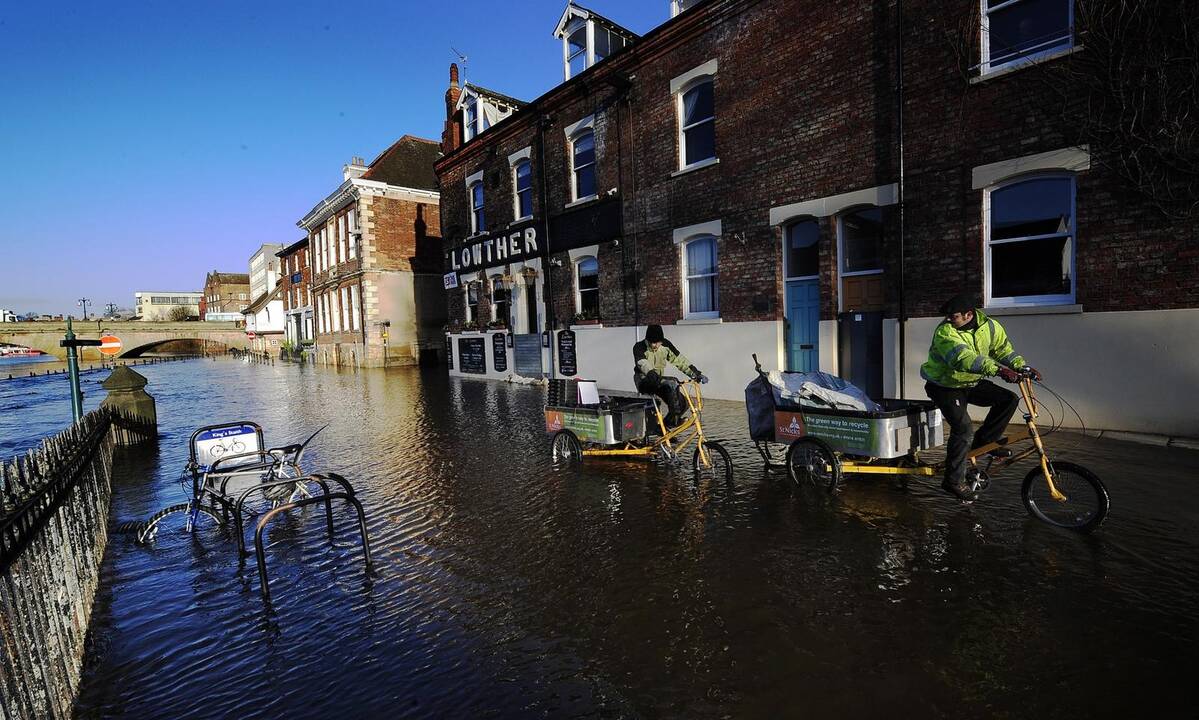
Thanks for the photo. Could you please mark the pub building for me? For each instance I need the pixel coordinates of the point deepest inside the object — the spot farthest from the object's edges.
(737, 175)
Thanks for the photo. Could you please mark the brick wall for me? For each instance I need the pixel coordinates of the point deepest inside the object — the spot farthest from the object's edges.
(805, 109)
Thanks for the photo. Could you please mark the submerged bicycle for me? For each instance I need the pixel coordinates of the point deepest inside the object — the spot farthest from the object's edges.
(826, 444)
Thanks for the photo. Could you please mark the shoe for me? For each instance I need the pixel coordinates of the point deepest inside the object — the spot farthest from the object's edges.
(962, 491)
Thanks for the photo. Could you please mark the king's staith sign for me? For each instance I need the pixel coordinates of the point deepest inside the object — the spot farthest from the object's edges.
(515, 244)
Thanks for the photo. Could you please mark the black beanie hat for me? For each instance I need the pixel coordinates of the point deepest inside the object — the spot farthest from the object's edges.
(960, 303)
(653, 334)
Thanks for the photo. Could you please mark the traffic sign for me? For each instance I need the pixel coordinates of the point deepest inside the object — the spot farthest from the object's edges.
(251, 334)
(110, 344)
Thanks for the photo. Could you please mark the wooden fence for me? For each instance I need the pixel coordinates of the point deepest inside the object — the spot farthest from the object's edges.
(54, 504)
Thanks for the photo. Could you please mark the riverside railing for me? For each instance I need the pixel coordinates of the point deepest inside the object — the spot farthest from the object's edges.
(54, 504)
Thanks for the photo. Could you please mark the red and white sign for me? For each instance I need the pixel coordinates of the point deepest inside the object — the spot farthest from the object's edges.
(110, 345)
(251, 334)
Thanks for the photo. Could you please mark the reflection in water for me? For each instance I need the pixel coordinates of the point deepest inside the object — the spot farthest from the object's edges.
(510, 587)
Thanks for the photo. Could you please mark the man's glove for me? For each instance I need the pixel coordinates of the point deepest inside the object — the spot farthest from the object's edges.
(697, 375)
(1031, 372)
(1009, 375)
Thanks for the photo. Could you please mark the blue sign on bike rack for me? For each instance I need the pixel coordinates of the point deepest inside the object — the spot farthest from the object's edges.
(213, 443)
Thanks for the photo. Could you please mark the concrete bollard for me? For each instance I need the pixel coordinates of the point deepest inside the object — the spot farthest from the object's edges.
(127, 394)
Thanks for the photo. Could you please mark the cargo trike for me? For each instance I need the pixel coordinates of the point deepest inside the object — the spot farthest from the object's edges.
(825, 442)
(631, 427)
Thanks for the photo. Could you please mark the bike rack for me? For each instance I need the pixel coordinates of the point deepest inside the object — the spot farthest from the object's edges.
(260, 551)
(322, 480)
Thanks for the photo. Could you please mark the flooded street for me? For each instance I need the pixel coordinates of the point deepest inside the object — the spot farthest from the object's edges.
(508, 587)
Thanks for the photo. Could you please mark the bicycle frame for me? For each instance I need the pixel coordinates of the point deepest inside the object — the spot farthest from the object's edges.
(667, 440)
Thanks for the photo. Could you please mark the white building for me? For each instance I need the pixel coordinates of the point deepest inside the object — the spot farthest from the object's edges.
(7, 315)
(157, 306)
(265, 321)
(264, 269)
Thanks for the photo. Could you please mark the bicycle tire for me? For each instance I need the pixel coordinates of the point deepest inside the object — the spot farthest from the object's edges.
(566, 447)
(146, 531)
(811, 462)
(1087, 500)
(719, 461)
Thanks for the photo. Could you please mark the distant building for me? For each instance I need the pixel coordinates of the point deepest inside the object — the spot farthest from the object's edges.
(375, 245)
(264, 269)
(296, 285)
(225, 295)
(265, 320)
(157, 306)
(7, 316)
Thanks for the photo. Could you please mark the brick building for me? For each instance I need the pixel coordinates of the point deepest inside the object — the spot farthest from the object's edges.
(737, 175)
(375, 246)
(297, 293)
(225, 296)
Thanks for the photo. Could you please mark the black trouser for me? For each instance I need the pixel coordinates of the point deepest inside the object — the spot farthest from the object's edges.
(665, 388)
(953, 404)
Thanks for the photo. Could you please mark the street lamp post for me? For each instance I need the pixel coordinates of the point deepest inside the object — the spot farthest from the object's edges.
(111, 308)
(83, 303)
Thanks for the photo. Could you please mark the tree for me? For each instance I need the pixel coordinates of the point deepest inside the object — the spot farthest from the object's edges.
(179, 313)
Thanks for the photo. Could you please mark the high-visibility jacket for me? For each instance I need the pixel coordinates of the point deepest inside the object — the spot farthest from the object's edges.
(647, 360)
(959, 358)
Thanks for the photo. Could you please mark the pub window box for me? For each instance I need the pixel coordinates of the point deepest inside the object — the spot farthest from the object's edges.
(497, 325)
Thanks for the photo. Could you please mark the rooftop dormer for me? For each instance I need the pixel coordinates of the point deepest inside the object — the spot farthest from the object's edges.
(588, 37)
(481, 108)
(678, 6)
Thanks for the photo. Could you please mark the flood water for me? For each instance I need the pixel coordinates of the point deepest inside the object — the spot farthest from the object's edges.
(508, 587)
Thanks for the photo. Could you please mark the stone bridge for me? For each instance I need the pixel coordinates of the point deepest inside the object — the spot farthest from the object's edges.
(136, 337)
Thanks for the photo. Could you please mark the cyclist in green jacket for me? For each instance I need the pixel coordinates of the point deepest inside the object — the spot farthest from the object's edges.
(968, 347)
(650, 358)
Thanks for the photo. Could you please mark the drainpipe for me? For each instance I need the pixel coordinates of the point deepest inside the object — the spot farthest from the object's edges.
(903, 310)
(548, 294)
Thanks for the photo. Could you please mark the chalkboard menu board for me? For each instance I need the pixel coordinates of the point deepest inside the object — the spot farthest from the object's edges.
(528, 355)
(568, 364)
(449, 351)
(499, 352)
(472, 355)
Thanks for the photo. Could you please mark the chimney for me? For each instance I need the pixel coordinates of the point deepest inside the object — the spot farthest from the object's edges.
(451, 137)
(355, 168)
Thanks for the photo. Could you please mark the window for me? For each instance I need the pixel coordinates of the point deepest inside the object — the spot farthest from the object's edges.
(478, 221)
(701, 291)
(472, 301)
(241, 296)
(587, 288)
(576, 50)
(1030, 241)
(341, 235)
(697, 124)
(861, 234)
(354, 306)
(801, 257)
(523, 188)
(678, 6)
(470, 118)
(583, 164)
(352, 221)
(1023, 30)
(335, 311)
(500, 300)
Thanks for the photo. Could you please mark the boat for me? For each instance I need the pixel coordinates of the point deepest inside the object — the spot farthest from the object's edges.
(18, 351)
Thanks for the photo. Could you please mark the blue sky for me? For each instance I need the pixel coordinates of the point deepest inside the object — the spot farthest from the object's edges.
(143, 144)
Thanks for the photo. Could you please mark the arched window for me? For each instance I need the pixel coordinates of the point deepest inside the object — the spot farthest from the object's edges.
(478, 221)
(587, 303)
(1030, 241)
(701, 289)
(583, 164)
(801, 254)
(697, 123)
(522, 183)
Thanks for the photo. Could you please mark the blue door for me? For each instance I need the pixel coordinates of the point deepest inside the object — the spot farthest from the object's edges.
(803, 325)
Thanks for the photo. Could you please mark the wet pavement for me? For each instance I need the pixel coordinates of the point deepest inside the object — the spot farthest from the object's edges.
(510, 587)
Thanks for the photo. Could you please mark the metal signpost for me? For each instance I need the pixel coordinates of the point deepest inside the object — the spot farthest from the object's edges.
(70, 342)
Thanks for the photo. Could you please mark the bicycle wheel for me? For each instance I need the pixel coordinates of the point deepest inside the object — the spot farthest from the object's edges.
(567, 448)
(716, 462)
(810, 461)
(1086, 502)
(146, 531)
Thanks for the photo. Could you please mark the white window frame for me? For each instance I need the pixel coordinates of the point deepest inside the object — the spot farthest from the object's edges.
(573, 132)
(355, 308)
(588, 58)
(787, 248)
(470, 315)
(516, 213)
(684, 237)
(470, 128)
(1030, 300)
(491, 278)
(679, 87)
(335, 310)
(574, 265)
(352, 223)
(840, 217)
(471, 181)
(986, 67)
(678, 6)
